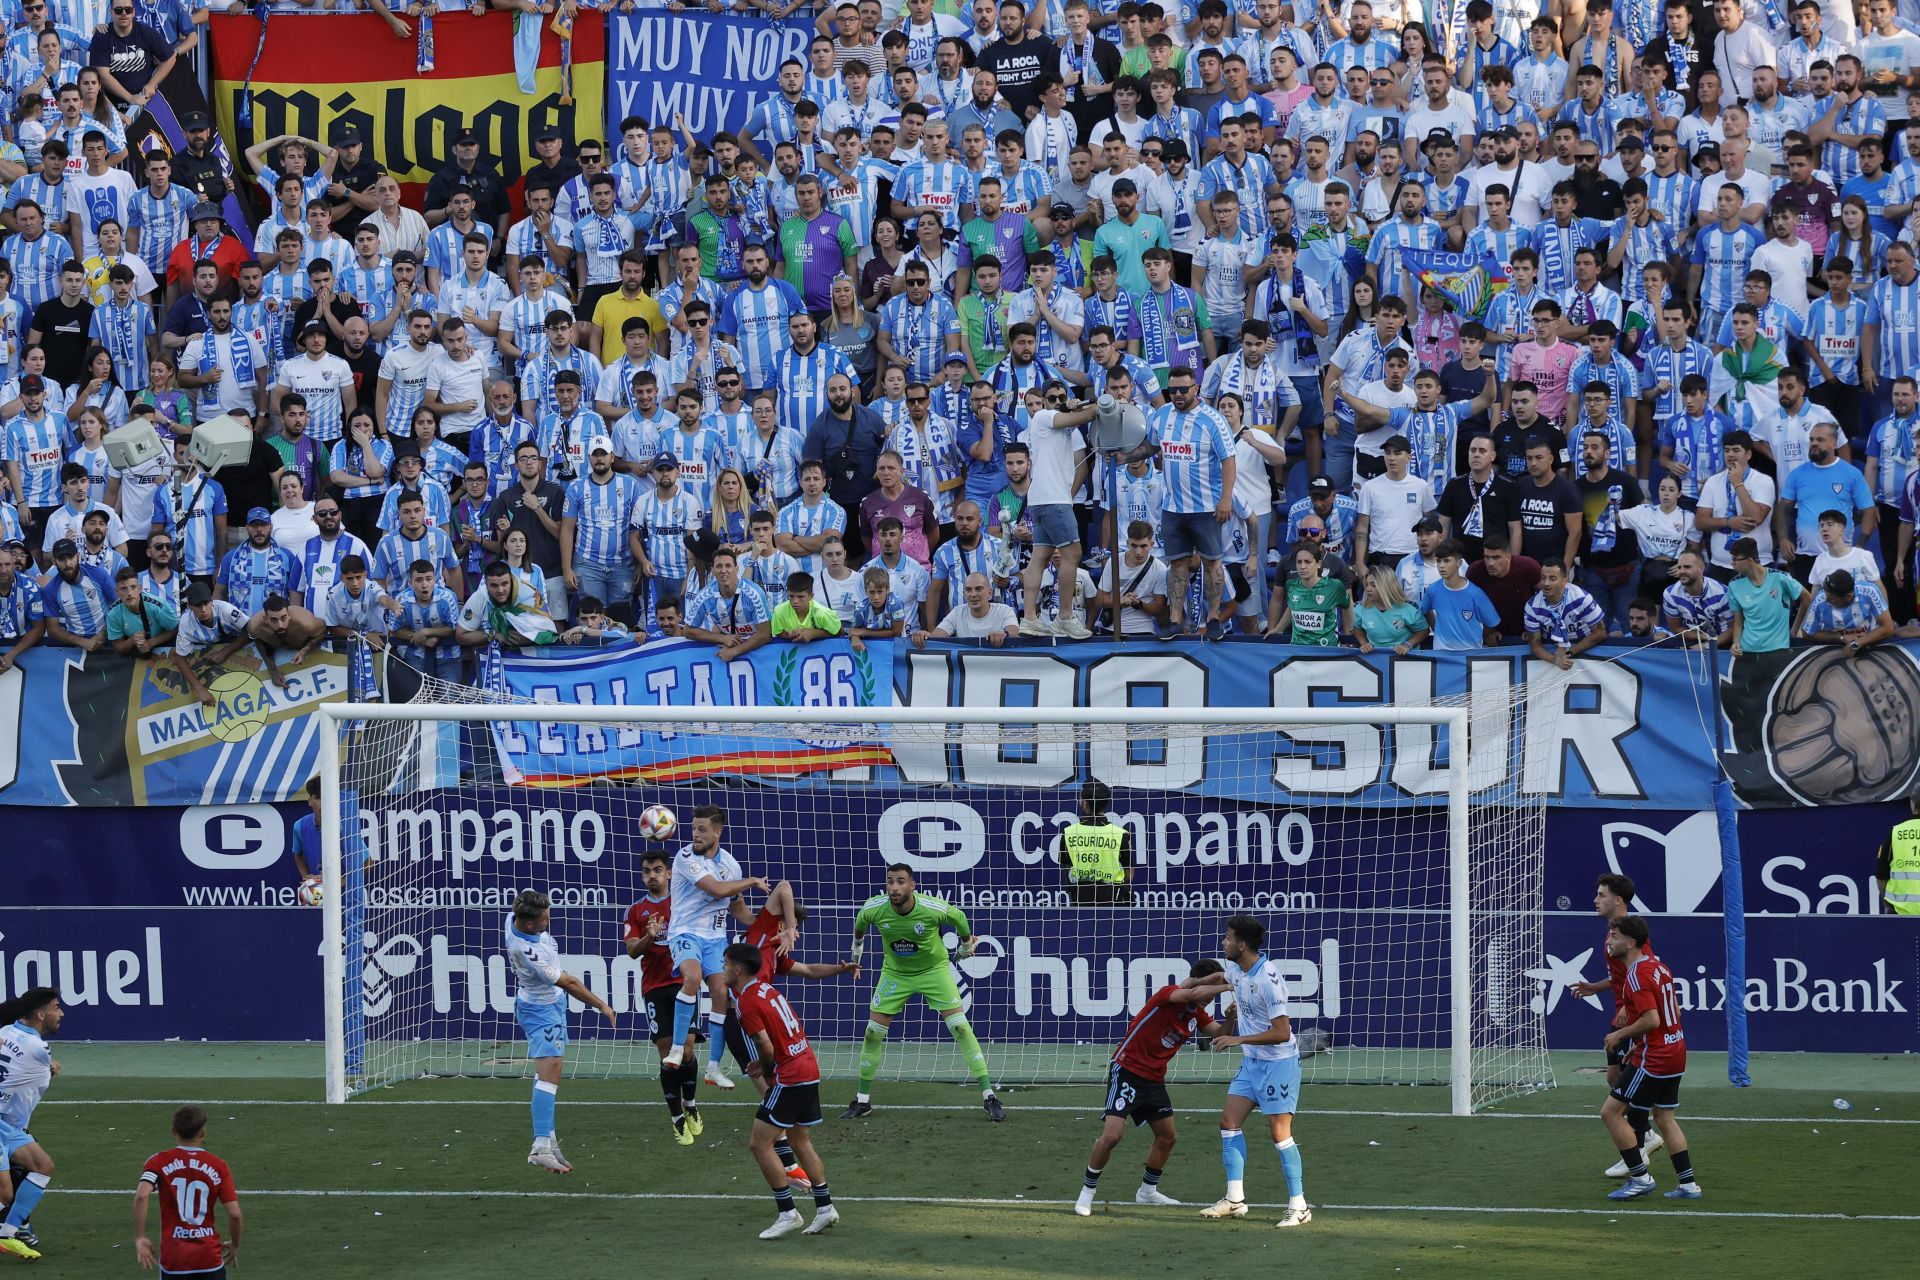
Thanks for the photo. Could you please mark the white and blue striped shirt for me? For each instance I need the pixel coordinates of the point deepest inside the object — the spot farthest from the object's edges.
(162, 223)
(802, 383)
(604, 513)
(1895, 314)
(1710, 611)
(320, 564)
(81, 605)
(799, 520)
(1891, 444)
(1193, 447)
(393, 560)
(663, 523)
(757, 319)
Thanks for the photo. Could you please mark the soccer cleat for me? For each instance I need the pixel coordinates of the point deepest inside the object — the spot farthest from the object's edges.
(1685, 1191)
(1152, 1195)
(18, 1248)
(1035, 627)
(1295, 1217)
(1618, 1169)
(798, 1182)
(547, 1156)
(822, 1219)
(1632, 1189)
(672, 1057)
(857, 1110)
(718, 1078)
(1225, 1209)
(995, 1112)
(1084, 1205)
(1072, 629)
(26, 1236)
(682, 1134)
(695, 1125)
(784, 1225)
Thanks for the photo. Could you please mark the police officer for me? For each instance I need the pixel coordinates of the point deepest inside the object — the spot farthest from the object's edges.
(1898, 868)
(1097, 855)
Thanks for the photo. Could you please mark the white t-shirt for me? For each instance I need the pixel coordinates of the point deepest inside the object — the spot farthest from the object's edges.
(1529, 202)
(1376, 392)
(1789, 262)
(292, 530)
(1053, 449)
(95, 199)
(961, 624)
(451, 381)
(1717, 499)
(1145, 581)
(1857, 561)
(1392, 507)
(842, 595)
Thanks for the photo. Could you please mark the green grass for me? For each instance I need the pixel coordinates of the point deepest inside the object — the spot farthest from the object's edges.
(1407, 1192)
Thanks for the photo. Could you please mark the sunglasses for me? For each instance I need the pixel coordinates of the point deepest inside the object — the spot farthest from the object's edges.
(1658, 147)
(127, 9)
(590, 157)
(698, 320)
(1585, 159)
(322, 515)
(919, 399)
(1152, 155)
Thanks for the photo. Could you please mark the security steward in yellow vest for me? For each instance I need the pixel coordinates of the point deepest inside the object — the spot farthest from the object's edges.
(1096, 855)
(1899, 865)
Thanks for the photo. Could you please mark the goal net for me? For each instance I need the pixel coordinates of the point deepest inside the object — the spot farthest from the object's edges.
(1399, 877)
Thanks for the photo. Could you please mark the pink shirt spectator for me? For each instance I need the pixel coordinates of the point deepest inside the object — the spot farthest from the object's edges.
(1546, 368)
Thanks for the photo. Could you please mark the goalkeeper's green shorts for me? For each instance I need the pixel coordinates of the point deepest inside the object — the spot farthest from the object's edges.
(935, 986)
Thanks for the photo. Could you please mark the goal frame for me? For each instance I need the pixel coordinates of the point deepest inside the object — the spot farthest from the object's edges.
(1456, 720)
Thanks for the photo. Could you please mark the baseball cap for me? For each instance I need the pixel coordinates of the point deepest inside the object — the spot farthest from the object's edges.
(312, 326)
(1428, 524)
(465, 137)
(956, 357)
(1707, 149)
(567, 378)
(195, 120)
(347, 138)
(1396, 444)
(548, 134)
(32, 382)
(197, 593)
(1320, 486)
(600, 444)
(663, 459)
(1437, 135)
(407, 255)
(205, 209)
(65, 547)
(259, 515)
(1630, 142)
(1125, 186)
(1504, 131)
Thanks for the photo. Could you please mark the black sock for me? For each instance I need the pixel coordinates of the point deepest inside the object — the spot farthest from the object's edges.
(784, 1198)
(784, 1149)
(1641, 1123)
(1093, 1177)
(689, 1081)
(1682, 1164)
(1636, 1163)
(1150, 1177)
(670, 1086)
(822, 1197)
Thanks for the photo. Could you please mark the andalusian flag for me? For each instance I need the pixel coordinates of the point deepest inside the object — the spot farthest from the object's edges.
(1468, 283)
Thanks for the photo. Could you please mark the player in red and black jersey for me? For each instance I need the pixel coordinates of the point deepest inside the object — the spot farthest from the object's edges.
(792, 1104)
(1655, 1049)
(646, 941)
(1613, 900)
(189, 1180)
(1137, 1077)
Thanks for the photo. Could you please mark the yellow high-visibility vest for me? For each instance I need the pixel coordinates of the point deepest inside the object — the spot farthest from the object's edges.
(1093, 853)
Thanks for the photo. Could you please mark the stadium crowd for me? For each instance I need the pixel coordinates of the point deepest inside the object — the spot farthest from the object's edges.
(839, 372)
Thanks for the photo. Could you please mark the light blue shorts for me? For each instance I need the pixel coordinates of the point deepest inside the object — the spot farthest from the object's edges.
(710, 952)
(545, 1026)
(1273, 1086)
(13, 1138)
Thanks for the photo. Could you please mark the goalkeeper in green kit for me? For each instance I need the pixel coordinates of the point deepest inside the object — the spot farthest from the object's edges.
(915, 964)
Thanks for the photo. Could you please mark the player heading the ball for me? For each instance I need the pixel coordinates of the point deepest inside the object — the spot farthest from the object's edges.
(1269, 1075)
(916, 964)
(541, 1010)
(792, 1103)
(1137, 1077)
(707, 883)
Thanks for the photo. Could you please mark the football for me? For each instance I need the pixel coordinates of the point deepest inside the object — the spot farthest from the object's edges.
(658, 822)
(310, 892)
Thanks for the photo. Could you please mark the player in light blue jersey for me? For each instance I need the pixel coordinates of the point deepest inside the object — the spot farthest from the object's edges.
(1269, 1075)
(756, 316)
(540, 1007)
(27, 1069)
(706, 888)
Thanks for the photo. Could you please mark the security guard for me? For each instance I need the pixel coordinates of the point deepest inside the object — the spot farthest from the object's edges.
(1096, 855)
(1898, 869)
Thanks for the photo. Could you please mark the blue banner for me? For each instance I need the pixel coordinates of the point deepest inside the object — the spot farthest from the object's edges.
(823, 674)
(138, 914)
(713, 69)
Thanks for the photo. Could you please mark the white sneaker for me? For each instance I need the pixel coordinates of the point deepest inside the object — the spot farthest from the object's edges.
(1295, 1217)
(1072, 629)
(671, 1058)
(822, 1220)
(547, 1156)
(1034, 627)
(718, 1078)
(1152, 1195)
(1084, 1205)
(1225, 1209)
(1618, 1169)
(784, 1225)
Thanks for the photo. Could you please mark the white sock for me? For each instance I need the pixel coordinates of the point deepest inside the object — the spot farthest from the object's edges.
(1236, 1190)
(860, 1097)
(986, 1093)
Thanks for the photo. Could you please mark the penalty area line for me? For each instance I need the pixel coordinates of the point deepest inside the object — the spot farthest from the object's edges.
(1044, 1108)
(1002, 1202)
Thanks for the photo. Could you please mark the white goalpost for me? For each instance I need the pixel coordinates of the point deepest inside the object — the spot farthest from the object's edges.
(1393, 854)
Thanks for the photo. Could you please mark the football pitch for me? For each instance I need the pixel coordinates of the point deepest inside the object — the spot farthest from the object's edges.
(429, 1179)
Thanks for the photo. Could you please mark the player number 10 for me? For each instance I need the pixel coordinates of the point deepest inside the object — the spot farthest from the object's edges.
(190, 1201)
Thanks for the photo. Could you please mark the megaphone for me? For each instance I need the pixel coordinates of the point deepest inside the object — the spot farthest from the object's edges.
(1117, 427)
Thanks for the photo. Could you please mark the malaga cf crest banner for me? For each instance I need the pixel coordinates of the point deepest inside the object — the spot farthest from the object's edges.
(1469, 283)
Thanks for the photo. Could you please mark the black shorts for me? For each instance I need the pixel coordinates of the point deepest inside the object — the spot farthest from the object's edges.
(1617, 1056)
(659, 1003)
(218, 1273)
(1139, 1099)
(791, 1106)
(1644, 1092)
(743, 1050)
